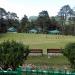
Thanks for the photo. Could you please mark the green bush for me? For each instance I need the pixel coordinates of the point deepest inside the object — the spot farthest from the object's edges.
(12, 54)
(69, 52)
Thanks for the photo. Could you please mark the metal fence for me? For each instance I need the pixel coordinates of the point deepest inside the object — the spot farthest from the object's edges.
(16, 72)
(8, 73)
(21, 71)
(47, 72)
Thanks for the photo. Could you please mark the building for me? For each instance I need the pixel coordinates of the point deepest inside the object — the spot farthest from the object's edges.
(54, 32)
(11, 29)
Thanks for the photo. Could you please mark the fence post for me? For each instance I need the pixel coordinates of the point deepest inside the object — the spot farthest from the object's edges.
(19, 71)
(36, 71)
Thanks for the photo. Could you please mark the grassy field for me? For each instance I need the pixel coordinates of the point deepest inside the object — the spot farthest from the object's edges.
(42, 41)
(53, 61)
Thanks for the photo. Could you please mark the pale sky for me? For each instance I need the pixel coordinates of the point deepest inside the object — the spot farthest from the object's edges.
(33, 7)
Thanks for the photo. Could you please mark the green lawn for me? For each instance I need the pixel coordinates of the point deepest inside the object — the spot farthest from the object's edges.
(61, 59)
(58, 61)
(42, 41)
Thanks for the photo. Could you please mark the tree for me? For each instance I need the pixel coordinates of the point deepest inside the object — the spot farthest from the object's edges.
(12, 23)
(8, 19)
(65, 13)
(14, 16)
(33, 24)
(69, 29)
(2, 20)
(54, 24)
(12, 54)
(3, 26)
(2, 13)
(12, 20)
(24, 26)
(43, 21)
(69, 52)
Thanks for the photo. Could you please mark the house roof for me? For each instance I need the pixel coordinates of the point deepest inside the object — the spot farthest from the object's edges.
(33, 30)
(54, 31)
(11, 29)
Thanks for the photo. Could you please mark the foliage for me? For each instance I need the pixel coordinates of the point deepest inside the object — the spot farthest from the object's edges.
(7, 20)
(12, 20)
(2, 12)
(33, 25)
(69, 52)
(69, 29)
(67, 15)
(43, 21)
(2, 20)
(65, 11)
(24, 26)
(54, 24)
(12, 54)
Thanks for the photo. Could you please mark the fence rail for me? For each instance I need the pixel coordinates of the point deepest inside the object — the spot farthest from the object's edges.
(47, 72)
(20, 71)
(8, 72)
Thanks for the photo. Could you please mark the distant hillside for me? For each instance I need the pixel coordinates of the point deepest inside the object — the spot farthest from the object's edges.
(33, 18)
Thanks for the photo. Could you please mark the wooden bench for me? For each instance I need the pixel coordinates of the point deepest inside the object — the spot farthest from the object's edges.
(36, 52)
(54, 52)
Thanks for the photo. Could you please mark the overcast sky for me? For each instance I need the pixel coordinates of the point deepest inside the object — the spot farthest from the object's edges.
(33, 7)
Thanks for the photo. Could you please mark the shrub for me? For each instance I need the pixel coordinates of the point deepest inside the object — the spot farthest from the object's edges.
(12, 54)
(69, 52)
